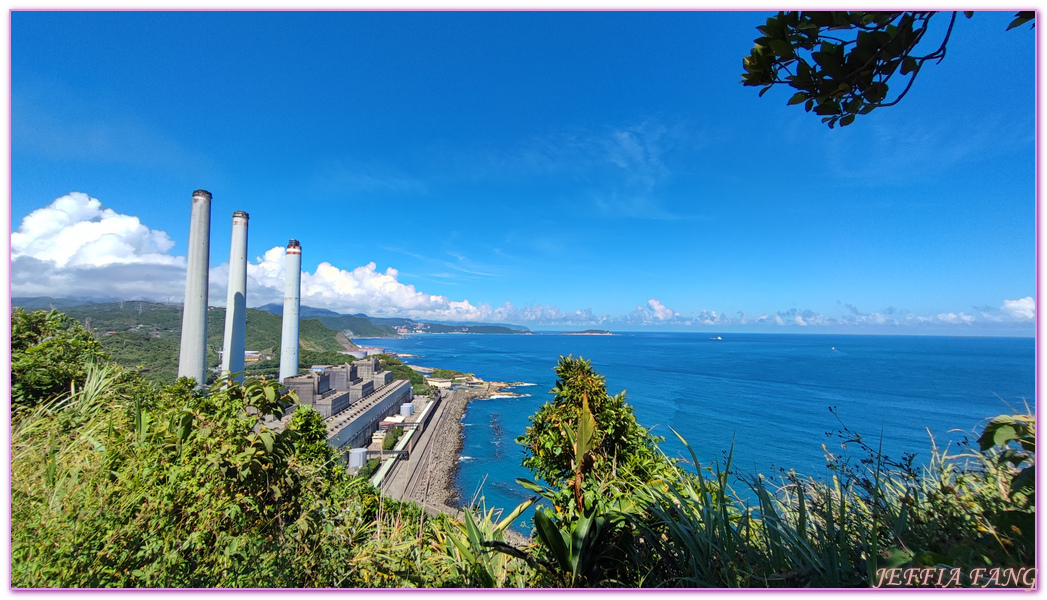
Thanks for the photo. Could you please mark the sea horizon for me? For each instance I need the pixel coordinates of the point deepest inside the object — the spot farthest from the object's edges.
(766, 394)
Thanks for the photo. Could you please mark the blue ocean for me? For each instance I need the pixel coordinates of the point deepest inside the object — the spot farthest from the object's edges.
(768, 395)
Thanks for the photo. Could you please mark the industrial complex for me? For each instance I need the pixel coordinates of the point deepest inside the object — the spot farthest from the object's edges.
(357, 400)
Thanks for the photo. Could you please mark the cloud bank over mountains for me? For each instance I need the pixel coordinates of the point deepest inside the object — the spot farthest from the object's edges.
(77, 248)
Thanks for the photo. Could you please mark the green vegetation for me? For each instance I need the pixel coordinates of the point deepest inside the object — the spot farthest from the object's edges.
(118, 482)
(367, 471)
(391, 438)
(447, 374)
(49, 352)
(840, 62)
(147, 335)
(270, 368)
(402, 371)
(131, 349)
(357, 326)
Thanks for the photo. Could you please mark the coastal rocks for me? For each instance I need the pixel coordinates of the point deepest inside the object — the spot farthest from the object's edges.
(447, 448)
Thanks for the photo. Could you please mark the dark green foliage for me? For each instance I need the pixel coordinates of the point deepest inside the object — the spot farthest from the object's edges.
(401, 371)
(153, 354)
(624, 449)
(187, 493)
(391, 438)
(270, 368)
(587, 446)
(311, 442)
(447, 374)
(49, 351)
(841, 63)
(1015, 437)
(367, 471)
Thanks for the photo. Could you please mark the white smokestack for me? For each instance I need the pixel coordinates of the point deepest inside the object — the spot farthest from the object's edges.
(192, 359)
(236, 302)
(292, 292)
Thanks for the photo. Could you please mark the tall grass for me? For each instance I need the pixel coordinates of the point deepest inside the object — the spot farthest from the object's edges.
(955, 511)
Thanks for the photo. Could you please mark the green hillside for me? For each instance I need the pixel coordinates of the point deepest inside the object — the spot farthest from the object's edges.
(357, 326)
(148, 334)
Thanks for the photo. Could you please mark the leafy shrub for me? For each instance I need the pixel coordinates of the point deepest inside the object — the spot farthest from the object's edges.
(391, 438)
(49, 352)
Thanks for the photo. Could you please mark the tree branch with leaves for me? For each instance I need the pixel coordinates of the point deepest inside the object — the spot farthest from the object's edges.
(841, 63)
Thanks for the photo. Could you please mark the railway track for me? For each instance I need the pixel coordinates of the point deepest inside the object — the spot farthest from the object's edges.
(421, 476)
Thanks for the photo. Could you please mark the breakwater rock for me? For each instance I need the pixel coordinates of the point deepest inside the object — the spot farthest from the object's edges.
(447, 448)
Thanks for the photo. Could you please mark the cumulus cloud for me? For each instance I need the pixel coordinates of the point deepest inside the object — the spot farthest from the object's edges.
(76, 247)
(654, 313)
(1022, 309)
(660, 311)
(76, 231)
(362, 289)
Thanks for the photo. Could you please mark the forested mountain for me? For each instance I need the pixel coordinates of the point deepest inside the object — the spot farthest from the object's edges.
(148, 334)
(351, 325)
(361, 325)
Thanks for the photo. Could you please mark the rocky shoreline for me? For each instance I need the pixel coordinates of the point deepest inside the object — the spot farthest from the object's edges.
(448, 448)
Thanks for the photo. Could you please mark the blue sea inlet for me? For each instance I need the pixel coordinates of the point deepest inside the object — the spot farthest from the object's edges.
(768, 395)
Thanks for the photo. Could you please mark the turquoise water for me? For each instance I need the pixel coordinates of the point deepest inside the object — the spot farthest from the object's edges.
(769, 394)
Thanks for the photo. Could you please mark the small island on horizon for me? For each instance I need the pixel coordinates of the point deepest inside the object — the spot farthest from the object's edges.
(587, 332)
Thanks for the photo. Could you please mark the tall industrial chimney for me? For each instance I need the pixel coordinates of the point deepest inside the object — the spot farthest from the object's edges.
(192, 359)
(292, 292)
(236, 303)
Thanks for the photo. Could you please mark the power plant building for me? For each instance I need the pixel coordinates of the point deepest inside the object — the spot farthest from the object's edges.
(351, 405)
(331, 389)
(314, 388)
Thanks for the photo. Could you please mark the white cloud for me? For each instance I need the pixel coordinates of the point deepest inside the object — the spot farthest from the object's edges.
(75, 247)
(660, 311)
(954, 318)
(1022, 309)
(76, 231)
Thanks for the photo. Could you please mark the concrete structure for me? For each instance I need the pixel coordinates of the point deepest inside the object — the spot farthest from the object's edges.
(354, 428)
(366, 368)
(392, 422)
(314, 388)
(236, 301)
(342, 376)
(360, 390)
(357, 457)
(192, 357)
(292, 293)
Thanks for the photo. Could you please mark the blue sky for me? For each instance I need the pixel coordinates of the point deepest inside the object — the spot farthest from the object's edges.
(557, 170)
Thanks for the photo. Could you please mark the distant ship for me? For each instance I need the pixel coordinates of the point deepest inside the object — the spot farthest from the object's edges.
(717, 338)
(833, 348)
